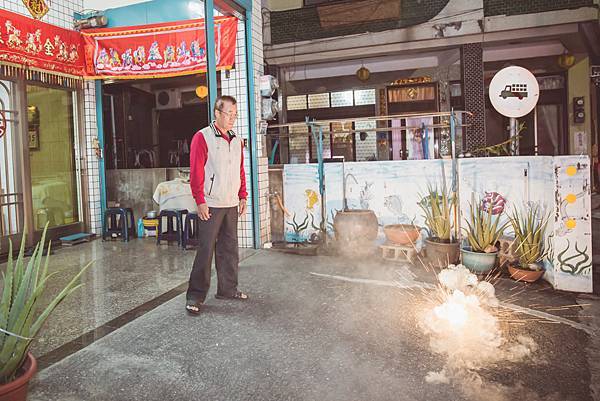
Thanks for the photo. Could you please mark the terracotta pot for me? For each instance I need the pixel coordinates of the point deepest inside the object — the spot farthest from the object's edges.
(16, 390)
(401, 234)
(529, 276)
(356, 225)
(441, 254)
(478, 262)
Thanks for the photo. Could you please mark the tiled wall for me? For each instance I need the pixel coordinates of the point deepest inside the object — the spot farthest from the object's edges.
(474, 94)
(92, 165)
(367, 149)
(61, 14)
(234, 83)
(298, 144)
(263, 161)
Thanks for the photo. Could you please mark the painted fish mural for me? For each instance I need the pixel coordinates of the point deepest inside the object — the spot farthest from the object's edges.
(312, 198)
(394, 204)
(494, 200)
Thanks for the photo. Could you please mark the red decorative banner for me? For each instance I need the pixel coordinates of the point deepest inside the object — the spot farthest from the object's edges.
(25, 41)
(158, 50)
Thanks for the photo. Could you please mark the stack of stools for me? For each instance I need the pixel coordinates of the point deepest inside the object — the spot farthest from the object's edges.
(174, 232)
(118, 222)
(150, 226)
(190, 235)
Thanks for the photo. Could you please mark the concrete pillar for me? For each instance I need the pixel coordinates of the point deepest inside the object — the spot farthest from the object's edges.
(471, 56)
(580, 134)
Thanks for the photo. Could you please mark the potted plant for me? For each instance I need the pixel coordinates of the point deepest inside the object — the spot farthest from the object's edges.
(22, 315)
(441, 248)
(529, 226)
(483, 232)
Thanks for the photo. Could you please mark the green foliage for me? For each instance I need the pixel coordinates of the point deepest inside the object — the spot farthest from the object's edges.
(483, 231)
(529, 226)
(502, 148)
(437, 206)
(22, 308)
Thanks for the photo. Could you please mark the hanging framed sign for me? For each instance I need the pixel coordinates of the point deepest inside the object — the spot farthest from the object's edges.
(30, 43)
(37, 8)
(158, 50)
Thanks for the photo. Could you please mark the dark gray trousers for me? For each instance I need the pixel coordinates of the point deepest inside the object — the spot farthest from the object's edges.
(217, 235)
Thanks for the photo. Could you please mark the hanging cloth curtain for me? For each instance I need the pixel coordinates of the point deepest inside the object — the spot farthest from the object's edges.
(157, 50)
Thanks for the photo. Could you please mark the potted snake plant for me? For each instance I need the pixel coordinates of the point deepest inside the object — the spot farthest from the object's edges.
(23, 311)
(441, 247)
(483, 232)
(529, 226)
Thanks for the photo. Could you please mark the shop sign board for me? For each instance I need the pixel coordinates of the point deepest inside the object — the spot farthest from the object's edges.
(514, 91)
(27, 42)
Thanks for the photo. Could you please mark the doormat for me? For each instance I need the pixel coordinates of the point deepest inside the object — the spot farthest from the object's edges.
(76, 239)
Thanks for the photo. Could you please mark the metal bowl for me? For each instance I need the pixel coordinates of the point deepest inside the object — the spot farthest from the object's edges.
(152, 214)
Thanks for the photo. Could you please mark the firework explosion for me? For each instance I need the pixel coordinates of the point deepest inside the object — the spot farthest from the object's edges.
(463, 326)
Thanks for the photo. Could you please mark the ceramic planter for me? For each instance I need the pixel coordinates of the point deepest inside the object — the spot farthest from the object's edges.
(401, 234)
(529, 276)
(441, 254)
(16, 390)
(478, 262)
(356, 225)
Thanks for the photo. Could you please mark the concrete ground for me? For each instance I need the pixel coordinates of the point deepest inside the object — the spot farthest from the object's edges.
(124, 277)
(324, 328)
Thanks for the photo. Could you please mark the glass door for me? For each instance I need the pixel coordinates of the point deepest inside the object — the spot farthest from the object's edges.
(53, 141)
(11, 194)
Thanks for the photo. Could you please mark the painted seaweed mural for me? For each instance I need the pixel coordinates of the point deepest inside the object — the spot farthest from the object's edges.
(550, 248)
(298, 227)
(579, 263)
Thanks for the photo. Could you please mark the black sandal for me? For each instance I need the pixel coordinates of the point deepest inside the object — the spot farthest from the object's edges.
(240, 296)
(193, 308)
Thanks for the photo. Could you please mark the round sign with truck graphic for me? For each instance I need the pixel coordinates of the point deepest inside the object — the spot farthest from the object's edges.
(514, 91)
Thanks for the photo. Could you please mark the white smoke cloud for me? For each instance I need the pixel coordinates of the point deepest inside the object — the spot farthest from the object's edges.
(465, 330)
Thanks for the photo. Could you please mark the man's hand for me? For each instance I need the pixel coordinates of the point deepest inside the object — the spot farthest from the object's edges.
(242, 208)
(203, 212)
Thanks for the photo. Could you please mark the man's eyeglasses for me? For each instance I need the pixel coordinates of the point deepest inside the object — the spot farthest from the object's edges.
(229, 114)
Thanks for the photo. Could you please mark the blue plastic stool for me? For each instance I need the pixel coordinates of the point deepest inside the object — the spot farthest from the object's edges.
(174, 232)
(118, 221)
(190, 233)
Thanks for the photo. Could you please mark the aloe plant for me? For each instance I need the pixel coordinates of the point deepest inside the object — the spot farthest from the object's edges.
(22, 309)
(437, 207)
(482, 229)
(529, 226)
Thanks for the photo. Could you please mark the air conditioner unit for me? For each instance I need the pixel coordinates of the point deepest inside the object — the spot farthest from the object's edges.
(168, 99)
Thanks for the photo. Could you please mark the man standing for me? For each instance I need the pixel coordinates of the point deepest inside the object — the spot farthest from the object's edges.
(218, 184)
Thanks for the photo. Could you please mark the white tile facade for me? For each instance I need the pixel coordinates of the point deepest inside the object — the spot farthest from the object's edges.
(367, 149)
(61, 14)
(234, 83)
(92, 163)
